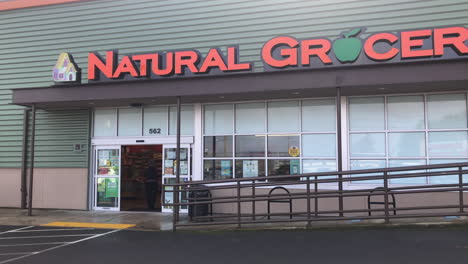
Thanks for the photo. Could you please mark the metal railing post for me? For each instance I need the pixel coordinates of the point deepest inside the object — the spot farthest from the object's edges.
(253, 202)
(316, 198)
(238, 205)
(460, 186)
(387, 216)
(308, 202)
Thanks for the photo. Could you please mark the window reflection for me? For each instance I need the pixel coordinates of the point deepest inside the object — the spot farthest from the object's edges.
(283, 145)
(250, 146)
(218, 146)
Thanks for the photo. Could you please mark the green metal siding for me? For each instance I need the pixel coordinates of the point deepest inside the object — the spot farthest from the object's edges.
(56, 133)
(32, 38)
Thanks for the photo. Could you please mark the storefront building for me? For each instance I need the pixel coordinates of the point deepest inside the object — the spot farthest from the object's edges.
(266, 88)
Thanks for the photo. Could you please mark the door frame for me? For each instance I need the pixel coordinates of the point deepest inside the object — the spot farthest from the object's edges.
(95, 177)
(110, 142)
(183, 178)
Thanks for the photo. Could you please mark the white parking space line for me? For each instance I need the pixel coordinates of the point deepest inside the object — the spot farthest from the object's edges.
(34, 244)
(18, 253)
(25, 255)
(77, 235)
(58, 229)
(15, 230)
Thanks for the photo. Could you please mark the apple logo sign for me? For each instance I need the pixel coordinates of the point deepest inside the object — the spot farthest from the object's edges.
(348, 48)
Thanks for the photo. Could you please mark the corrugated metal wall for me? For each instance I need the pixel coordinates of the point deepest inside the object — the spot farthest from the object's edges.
(56, 133)
(32, 38)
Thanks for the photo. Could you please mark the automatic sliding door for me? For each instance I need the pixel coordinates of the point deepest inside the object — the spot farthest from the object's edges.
(169, 172)
(107, 178)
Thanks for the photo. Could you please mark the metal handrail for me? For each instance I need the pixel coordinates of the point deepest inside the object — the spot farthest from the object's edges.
(333, 173)
(304, 181)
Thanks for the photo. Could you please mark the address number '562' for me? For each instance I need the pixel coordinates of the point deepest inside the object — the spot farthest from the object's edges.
(155, 131)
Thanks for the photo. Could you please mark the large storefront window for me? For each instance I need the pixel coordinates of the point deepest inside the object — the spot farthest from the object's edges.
(147, 121)
(410, 130)
(269, 138)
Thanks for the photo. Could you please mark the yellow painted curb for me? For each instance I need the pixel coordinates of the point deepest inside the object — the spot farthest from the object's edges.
(90, 225)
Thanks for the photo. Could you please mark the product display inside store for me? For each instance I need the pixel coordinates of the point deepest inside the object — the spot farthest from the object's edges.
(136, 191)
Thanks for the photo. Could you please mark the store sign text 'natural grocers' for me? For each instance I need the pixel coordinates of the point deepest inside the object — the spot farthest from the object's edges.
(288, 53)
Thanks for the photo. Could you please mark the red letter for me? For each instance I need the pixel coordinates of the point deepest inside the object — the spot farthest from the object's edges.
(291, 53)
(143, 58)
(232, 61)
(125, 66)
(156, 64)
(321, 51)
(95, 62)
(458, 42)
(213, 59)
(370, 42)
(187, 58)
(408, 42)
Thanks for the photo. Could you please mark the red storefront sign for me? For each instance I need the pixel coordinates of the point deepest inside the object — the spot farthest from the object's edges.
(288, 53)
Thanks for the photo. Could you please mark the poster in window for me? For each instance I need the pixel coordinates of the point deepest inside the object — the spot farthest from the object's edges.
(294, 151)
(250, 168)
(171, 154)
(183, 154)
(168, 163)
(169, 171)
(226, 168)
(294, 167)
(168, 196)
(183, 167)
(111, 188)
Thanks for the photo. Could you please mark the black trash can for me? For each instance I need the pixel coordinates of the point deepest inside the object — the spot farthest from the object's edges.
(201, 194)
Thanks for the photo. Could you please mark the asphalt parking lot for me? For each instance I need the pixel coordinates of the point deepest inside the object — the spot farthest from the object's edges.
(17, 242)
(41, 245)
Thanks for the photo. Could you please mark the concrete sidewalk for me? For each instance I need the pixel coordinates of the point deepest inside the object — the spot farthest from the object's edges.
(153, 221)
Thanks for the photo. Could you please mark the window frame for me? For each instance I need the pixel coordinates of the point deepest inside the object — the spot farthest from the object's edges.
(142, 117)
(426, 130)
(266, 134)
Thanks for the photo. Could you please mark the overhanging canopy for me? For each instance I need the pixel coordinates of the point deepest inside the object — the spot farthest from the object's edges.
(376, 79)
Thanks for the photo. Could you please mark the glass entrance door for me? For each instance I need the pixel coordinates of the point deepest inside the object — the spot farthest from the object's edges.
(107, 178)
(169, 172)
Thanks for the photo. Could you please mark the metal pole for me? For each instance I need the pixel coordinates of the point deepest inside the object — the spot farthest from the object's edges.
(308, 201)
(31, 166)
(460, 186)
(89, 160)
(253, 202)
(340, 149)
(387, 217)
(176, 190)
(316, 198)
(238, 205)
(24, 161)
